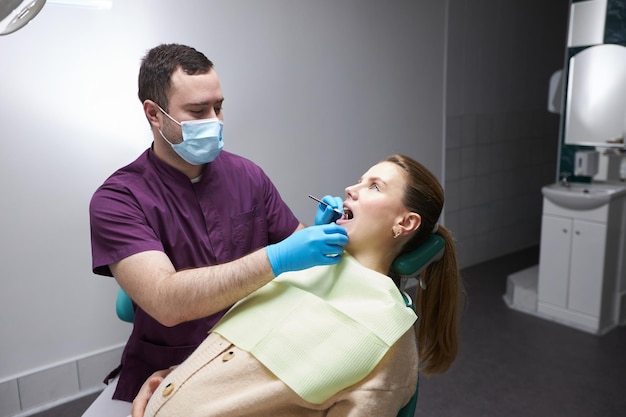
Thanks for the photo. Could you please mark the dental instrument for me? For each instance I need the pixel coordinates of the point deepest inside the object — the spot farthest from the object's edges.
(336, 210)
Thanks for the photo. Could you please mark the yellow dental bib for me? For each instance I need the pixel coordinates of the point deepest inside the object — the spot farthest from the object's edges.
(320, 330)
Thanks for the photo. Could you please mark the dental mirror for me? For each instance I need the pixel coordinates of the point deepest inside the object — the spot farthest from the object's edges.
(15, 14)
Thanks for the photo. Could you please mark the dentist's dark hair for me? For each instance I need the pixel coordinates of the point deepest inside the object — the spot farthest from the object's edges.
(439, 305)
(158, 65)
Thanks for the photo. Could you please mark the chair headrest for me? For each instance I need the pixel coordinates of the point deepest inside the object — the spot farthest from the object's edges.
(413, 263)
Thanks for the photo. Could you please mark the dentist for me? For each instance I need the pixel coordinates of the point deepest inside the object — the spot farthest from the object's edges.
(188, 229)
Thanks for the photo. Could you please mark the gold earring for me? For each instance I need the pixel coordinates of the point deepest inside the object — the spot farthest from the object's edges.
(396, 234)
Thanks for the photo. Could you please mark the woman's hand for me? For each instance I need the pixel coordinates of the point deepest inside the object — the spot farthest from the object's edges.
(147, 389)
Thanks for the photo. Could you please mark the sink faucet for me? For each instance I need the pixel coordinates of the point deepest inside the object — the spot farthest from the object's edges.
(565, 179)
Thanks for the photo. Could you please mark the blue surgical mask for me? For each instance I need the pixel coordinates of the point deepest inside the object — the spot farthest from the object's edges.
(202, 139)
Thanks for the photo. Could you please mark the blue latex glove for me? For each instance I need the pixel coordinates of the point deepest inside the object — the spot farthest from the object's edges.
(326, 214)
(315, 245)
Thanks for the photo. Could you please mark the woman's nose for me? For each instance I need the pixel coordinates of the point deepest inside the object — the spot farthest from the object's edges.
(351, 191)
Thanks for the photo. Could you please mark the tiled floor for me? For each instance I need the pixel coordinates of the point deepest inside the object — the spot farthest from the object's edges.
(513, 364)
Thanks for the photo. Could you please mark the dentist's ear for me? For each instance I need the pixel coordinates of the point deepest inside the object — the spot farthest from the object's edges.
(151, 109)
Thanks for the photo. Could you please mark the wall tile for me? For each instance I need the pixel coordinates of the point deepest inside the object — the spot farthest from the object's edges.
(468, 192)
(454, 94)
(483, 221)
(49, 385)
(9, 398)
(466, 251)
(468, 161)
(485, 128)
(92, 370)
(454, 128)
(453, 164)
(469, 135)
(466, 223)
(485, 243)
(484, 160)
(453, 196)
(499, 129)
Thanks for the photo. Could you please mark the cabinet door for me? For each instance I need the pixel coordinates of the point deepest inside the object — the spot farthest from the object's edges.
(587, 267)
(554, 260)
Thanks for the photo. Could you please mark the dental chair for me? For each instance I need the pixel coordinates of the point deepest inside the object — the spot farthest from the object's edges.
(407, 266)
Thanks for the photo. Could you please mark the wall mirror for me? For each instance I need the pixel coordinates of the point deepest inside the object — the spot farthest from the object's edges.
(15, 14)
(596, 100)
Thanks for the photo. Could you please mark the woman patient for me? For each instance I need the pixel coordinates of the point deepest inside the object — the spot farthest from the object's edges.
(334, 340)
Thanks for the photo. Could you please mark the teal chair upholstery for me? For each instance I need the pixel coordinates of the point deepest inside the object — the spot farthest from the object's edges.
(412, 264)
(124, 307)
(409, 265)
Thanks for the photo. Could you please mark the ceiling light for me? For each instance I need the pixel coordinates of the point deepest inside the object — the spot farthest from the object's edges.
(89, 4)
(15, 14)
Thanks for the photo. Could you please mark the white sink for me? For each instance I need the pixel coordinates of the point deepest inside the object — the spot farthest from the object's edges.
(579, 196)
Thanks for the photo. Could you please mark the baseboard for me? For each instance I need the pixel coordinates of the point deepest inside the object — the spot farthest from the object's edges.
(48, 387)
(61, 401)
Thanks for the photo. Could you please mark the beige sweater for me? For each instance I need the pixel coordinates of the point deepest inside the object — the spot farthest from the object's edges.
(219, 379)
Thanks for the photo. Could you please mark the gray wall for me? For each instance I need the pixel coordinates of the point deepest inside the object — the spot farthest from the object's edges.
(316, 91)
(501, 142)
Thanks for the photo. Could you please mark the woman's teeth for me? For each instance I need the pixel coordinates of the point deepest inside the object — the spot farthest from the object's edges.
(347, 215)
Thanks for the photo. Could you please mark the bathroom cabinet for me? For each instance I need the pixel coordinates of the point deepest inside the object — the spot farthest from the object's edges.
(581, 267)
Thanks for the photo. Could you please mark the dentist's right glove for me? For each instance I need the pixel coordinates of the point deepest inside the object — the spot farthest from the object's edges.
(315, 245)
(326, 214)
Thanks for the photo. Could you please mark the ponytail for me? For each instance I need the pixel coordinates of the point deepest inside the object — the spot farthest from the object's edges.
(439, 308)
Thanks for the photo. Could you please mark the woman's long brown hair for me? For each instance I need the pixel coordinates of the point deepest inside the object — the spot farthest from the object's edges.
(439, 305)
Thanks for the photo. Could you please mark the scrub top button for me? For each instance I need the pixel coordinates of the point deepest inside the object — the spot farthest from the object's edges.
(169, 388)
(228, 356)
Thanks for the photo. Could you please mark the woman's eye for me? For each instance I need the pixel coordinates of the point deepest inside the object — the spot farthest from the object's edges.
(218, 110)
(374, 187)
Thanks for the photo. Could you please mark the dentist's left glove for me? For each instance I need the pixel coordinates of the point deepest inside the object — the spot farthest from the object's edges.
(315, 245)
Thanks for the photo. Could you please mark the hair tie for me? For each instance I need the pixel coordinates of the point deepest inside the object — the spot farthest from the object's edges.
(422, 283)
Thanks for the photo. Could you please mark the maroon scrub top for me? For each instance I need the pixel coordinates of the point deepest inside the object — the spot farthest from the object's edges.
(231, 211)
